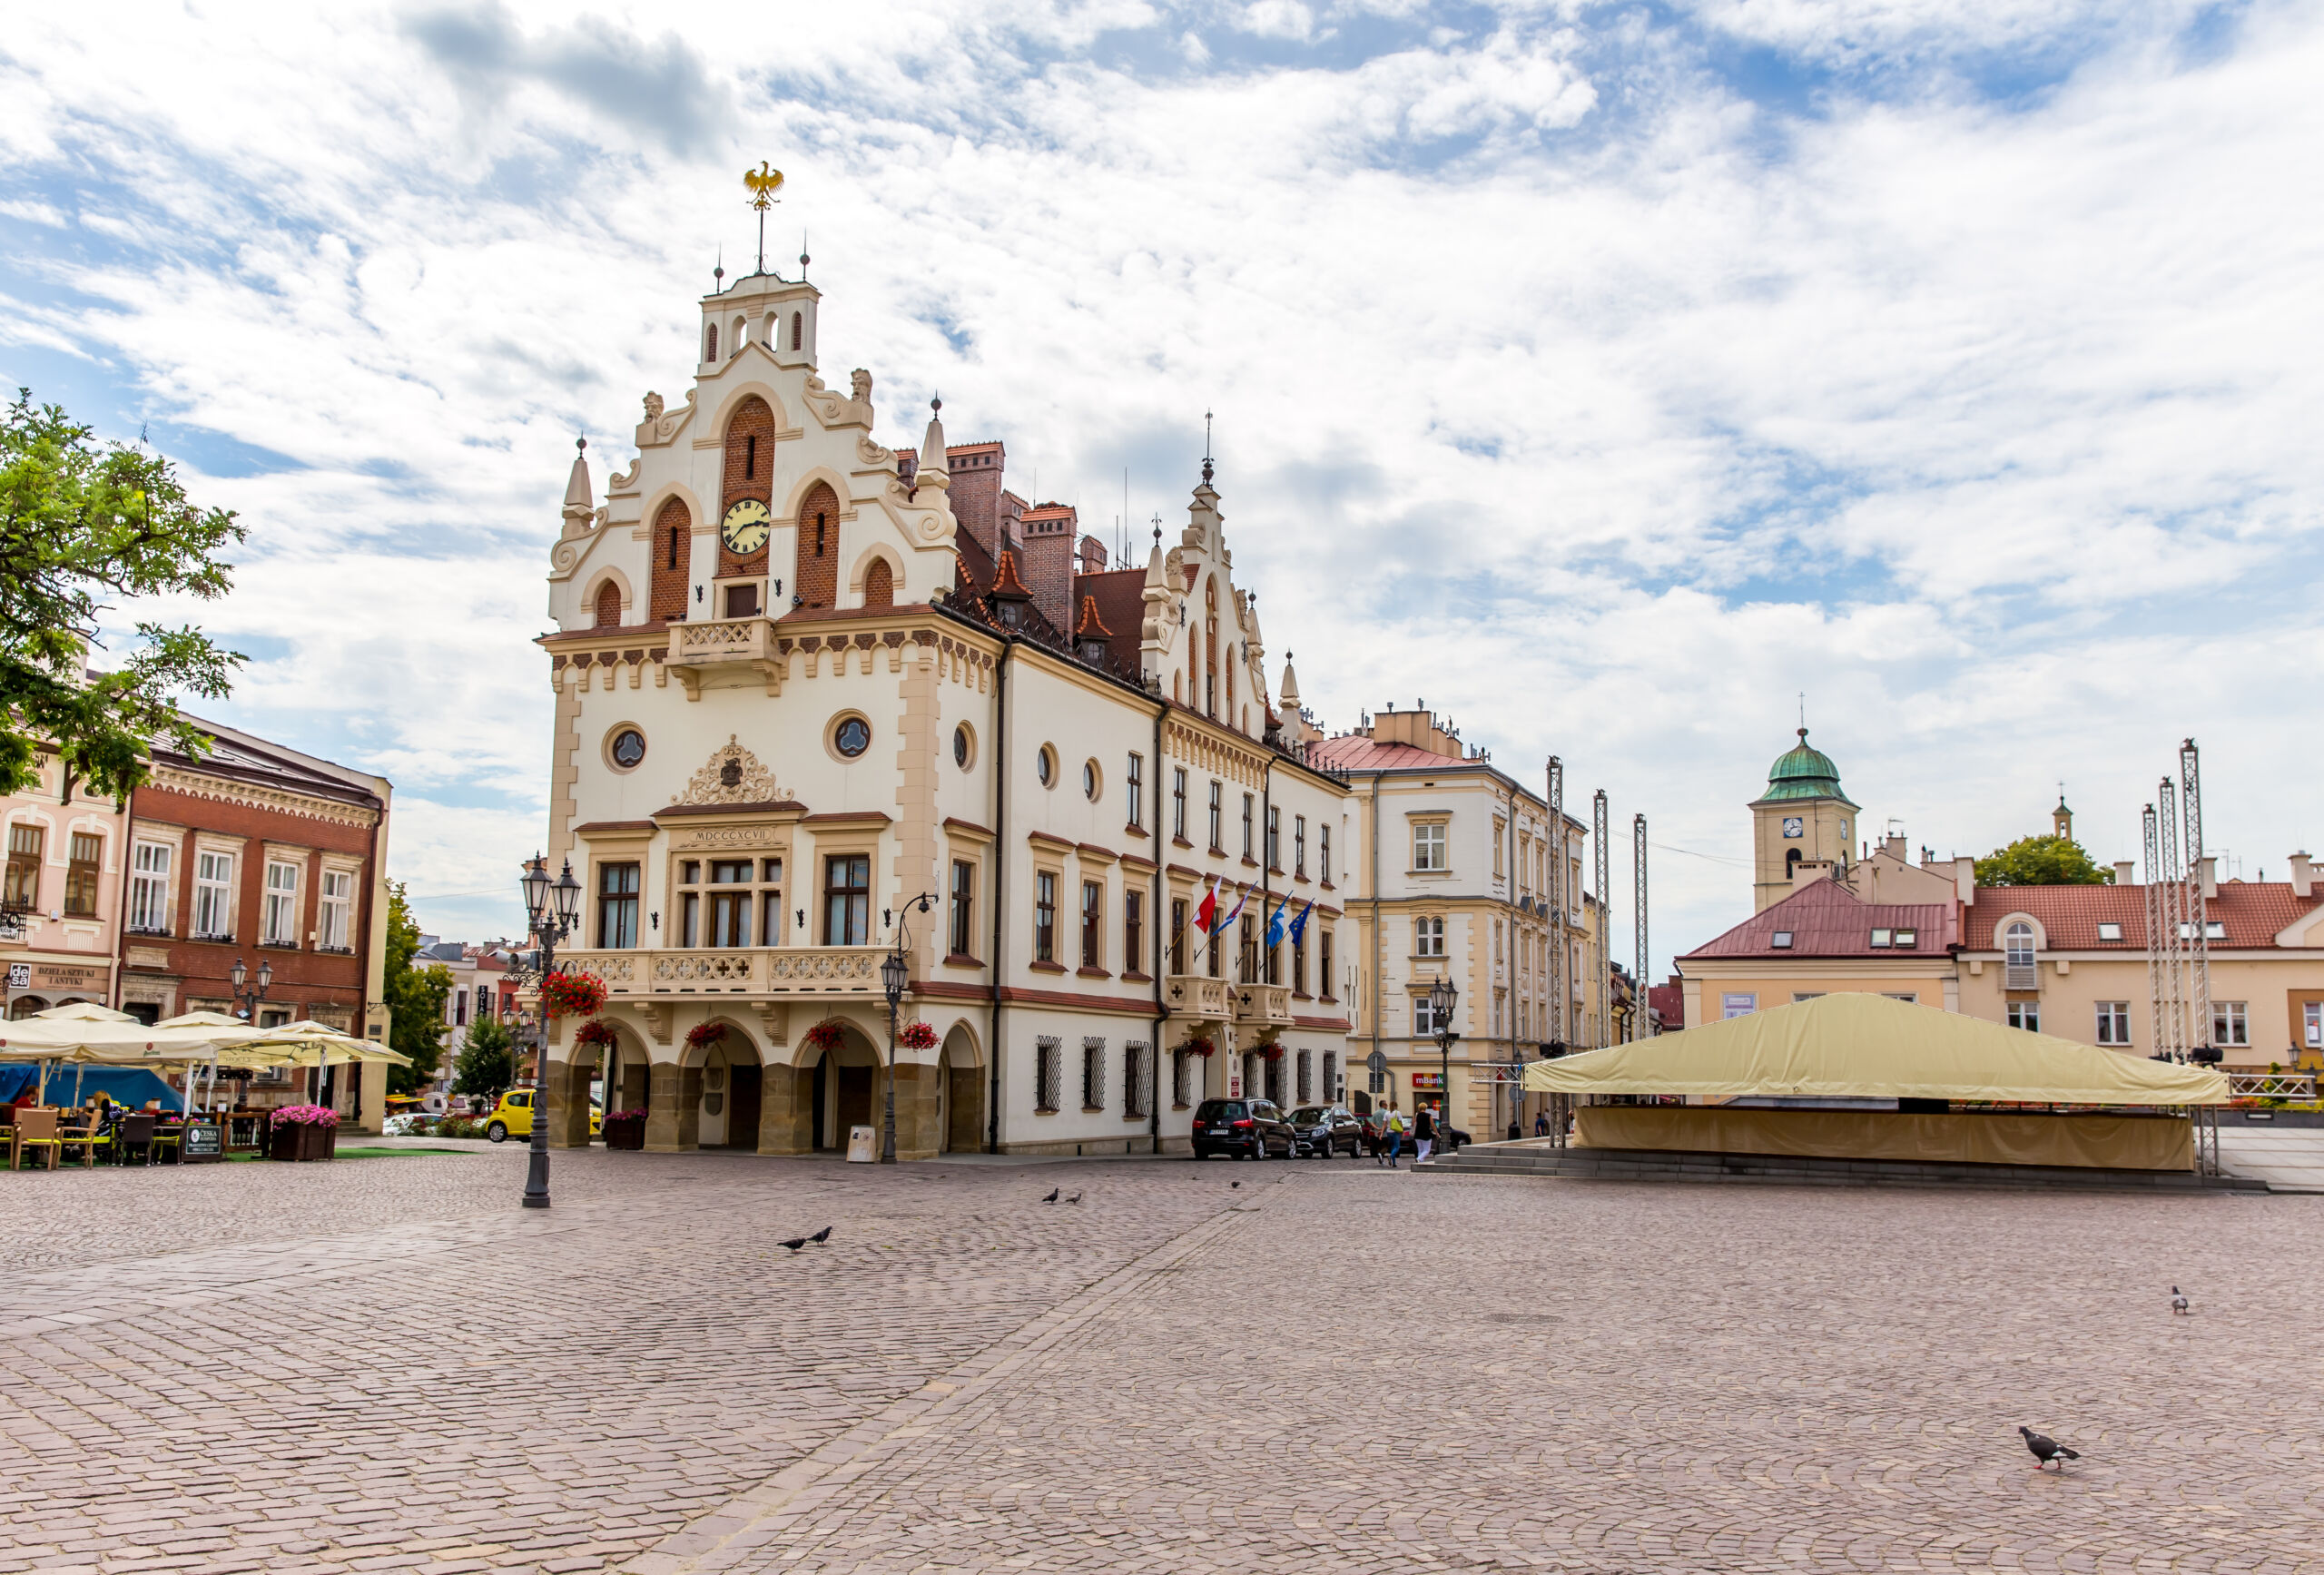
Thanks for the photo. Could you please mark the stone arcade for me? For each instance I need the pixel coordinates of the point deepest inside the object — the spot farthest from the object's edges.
(797, 693)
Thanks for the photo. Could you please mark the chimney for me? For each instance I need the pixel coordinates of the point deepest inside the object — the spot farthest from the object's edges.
(977, 470)
(2126, 873)
(2303, 880)
(2208, 865)
(1093, 555)
(1893, 844)
(1964, 879)
(1050, 531)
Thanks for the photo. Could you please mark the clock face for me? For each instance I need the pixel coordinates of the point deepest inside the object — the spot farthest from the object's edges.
(1791, 827)
(745, 528)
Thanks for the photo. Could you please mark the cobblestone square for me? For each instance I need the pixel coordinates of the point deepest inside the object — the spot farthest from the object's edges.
(384, 1364)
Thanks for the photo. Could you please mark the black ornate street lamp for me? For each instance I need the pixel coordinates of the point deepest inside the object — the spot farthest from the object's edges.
(551, 909)
(246, 1002)
(893, 971)
(1442, 998)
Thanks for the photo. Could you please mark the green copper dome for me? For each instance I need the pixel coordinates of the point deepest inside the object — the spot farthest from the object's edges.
(1802, 772)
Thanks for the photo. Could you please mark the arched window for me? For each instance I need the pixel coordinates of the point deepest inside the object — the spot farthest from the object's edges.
(2017, 945)
(609, 605)
(815, 579)
(1790, 861)
(710, 343)
(735, 349)
(879, 584)
(796, 321)
(666, 592)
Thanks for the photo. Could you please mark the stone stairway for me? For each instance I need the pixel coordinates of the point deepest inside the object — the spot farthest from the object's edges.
(1536, 1157)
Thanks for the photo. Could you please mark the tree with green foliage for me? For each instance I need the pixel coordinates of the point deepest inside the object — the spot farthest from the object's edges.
(485, 1065)
(82, 523)
(2041, 861)
(416, 996)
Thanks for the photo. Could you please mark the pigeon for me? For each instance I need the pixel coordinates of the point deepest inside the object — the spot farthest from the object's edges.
(795, 1243)
(820, 1237)
(1052, 1197)
(1233, 1185)
(2046, 1449)
(2177, 1300)
(1075, 1198)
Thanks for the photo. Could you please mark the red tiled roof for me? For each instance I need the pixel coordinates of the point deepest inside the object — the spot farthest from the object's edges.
(1828, 920)
(1119, 598)
(1356, 752)
(2253, 912)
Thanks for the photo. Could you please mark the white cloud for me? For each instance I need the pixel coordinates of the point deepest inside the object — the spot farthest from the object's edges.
(1559, 381)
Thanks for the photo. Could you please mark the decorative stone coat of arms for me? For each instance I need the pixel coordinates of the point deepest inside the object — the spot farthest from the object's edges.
(733, 775)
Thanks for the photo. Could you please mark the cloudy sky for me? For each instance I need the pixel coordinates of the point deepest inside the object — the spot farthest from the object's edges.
(1607, 375)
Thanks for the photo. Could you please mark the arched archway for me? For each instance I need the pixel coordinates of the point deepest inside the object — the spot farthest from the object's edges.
(722, 1084)
(959, 1092)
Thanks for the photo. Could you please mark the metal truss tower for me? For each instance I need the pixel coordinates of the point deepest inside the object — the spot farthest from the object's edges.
(1601, 986)
(1559, 959)
(2197, 950)
(1642, 1018)
(2157, 950)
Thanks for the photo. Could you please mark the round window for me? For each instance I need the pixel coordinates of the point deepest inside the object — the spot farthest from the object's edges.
(854, 737)
(1089, 781)
(629, 748)
(961, 746)
(1046, 764)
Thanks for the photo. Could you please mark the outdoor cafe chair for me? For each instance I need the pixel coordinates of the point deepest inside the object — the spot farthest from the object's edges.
(84, 1134)
(135, 1135)
(36, 1130)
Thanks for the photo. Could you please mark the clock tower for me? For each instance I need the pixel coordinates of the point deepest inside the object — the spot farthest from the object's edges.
(1802, 818)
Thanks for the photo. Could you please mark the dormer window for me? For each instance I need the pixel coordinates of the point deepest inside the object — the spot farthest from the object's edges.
(1093, 652)
(1883, 937)
(2108, 931)
(1908, 937)
(1780, 940)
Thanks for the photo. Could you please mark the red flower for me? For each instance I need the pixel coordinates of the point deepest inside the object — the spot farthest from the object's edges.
(825, 1036)
(917, 1036)
(596, 1031)
(577, 995)
(703, 1034)
(1200, 1046)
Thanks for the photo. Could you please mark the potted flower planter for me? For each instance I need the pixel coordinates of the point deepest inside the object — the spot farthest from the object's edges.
(302, 1132)
(624, 1129)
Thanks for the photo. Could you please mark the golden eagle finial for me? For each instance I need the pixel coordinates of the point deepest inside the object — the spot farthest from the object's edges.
(764, 182)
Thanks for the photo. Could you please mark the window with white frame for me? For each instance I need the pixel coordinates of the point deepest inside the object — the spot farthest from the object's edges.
(149, 887)
(337, 910)
(278, 920)
(2311, 1017)
(2026, 1015)
(1428, 846)
(1428, 936)
(1424, 1023)
(2229, 1023)
(213, 895)
(2113, 1022)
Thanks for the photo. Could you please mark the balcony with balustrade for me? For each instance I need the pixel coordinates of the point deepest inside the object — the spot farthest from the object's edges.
(1262, 1005)
(1192, 995)
(775, 971)
(698, 649)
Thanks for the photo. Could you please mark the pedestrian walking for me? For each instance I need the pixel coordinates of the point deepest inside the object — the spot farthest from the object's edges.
(1396, 1124)
(1423, 1134)
(1542, 1124)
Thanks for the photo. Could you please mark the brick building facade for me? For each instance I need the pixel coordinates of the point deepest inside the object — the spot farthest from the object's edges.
(260, 855)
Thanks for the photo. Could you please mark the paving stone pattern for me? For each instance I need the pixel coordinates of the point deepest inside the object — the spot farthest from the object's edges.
(1328, 1368)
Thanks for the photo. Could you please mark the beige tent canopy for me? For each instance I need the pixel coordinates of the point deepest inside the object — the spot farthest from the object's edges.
(1869, 1047)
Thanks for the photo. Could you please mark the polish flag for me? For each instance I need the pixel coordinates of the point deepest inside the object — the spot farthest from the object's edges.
(1208, 906)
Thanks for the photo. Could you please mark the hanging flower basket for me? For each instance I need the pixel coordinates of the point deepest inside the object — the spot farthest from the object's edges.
(702, 1035)
(917, 1036)
(1200, 1046)
(574, 995)
(1271, 1052)
(596, 1031)
(826, 1036)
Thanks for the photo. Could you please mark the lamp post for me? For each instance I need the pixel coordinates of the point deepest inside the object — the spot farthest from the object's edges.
(893, 971)
(246, 1008)
(550, 908)
(1442, 998)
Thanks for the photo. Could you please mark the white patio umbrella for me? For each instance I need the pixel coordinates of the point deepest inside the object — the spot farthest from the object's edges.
(207, 1020)
(127, 1043)
(80, 1011)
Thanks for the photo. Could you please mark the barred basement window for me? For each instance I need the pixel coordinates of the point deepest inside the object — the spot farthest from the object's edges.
(1093, 1074)
(1136, 1096)
(1046, 1074)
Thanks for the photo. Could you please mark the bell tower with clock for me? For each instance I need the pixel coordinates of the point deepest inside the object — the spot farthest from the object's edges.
(1803, 818)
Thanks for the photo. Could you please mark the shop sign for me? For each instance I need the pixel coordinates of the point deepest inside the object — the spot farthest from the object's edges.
(70, 976)
(20, 976)
(1428, 1082)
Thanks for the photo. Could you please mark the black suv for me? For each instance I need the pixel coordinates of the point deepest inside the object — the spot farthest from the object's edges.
(1241, 1127)
(1324, 1130)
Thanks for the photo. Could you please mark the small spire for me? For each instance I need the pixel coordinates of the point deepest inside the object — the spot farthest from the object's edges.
(935, 466)
(1205, 446)
(718, 274)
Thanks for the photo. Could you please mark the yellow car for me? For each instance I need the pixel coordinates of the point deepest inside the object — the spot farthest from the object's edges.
(512, 1116)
